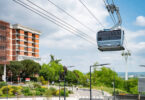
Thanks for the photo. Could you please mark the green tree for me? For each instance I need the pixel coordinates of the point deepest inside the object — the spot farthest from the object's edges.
(30, 68)
(81, 78)
(106, 77)
(131, 85)
(15, 67)
(71, 77)
(52, 70)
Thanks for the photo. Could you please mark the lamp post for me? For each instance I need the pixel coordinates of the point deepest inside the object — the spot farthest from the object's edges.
(142, 65)
(114, 83)
(91, 76)
(59, 85)
(65, 70)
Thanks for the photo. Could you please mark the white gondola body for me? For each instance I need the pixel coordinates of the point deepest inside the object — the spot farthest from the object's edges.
(110, 40)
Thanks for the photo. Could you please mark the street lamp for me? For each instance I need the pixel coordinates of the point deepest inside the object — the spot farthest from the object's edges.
(142, 65)
(65, 70)
(59, 85)
(113, 83)
(91, 76)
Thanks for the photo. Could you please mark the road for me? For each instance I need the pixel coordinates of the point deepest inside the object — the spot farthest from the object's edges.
(85, 93)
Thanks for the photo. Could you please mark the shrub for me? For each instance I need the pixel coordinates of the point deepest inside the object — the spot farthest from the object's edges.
(57, 93)
(53, 90)
(16, 90)
(26, 91)
(62, 93)
(2, 84)
(36, 85)
(40, 91)
(9, 90)
(48, 93)
(30, 85)
(5, 89)
(42, 80)
(70, 92)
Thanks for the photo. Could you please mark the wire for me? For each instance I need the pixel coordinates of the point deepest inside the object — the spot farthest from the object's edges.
(71, 16)
(60, 19)
(113, 1)
(111, 15)
(91, 13)
(50, 19)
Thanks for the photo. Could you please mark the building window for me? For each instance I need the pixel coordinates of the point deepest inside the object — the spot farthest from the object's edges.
(17, 30)
(2, 47)
(2, 38)
(25, 53)
(33, 54)
(2, 27)
(2, 58)
(17, 52)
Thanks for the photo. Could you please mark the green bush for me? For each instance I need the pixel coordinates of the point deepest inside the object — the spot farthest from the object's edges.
(48, 93)
(26, 91)
(40, 91)
(36, 85)
(42, 80)
(2, 84)
(10, 90)
(53, 90)
(62, 93)
(16, 90)
(70, 92)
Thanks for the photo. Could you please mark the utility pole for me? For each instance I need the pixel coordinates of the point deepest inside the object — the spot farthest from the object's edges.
(126, 55)
(91, 76)
(90, 85)
(65, 71)
(4, 76)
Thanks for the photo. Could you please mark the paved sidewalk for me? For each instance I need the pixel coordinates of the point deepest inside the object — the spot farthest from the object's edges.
(41, 98)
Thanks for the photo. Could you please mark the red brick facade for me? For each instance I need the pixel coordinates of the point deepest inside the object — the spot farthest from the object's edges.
(18, 42)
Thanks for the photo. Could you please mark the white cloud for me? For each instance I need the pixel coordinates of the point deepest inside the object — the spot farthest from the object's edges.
(140, 20)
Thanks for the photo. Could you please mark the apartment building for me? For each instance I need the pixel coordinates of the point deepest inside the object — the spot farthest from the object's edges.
(18, 43)
(5, 42)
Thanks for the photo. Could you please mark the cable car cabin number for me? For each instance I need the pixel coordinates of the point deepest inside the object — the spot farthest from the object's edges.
(110, 40)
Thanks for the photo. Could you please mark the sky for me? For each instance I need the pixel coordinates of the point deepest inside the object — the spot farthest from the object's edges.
(73, 50)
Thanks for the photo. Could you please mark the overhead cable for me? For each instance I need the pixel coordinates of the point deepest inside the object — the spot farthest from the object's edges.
(51, 19)
(111, 15)
(62, 21)
(71, 16)
(92, 14)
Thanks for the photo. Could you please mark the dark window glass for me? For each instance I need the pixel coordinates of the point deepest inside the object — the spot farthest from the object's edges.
(109, 35)
(2, 38)
(2, 27)
(2, 47)
(2, 58)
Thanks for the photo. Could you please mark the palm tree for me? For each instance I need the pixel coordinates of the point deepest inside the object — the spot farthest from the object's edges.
(54, 60)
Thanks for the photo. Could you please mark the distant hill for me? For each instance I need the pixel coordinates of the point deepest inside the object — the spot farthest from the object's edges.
(132, 74)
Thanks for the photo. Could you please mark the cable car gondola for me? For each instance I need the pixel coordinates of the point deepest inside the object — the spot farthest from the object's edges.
(110, 40)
